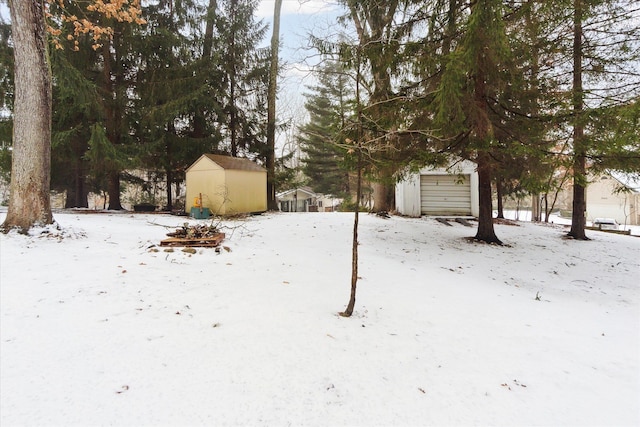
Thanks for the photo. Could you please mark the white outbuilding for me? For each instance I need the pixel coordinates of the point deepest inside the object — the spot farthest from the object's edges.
(448, 191)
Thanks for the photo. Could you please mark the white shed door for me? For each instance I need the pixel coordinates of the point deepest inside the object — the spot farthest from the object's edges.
(445, 194)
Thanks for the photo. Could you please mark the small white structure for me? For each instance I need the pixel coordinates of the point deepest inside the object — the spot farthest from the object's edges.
(614, 195)
(301, 199)
(450, 191)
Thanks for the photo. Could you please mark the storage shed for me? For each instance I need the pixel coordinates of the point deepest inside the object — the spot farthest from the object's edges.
(226, 185)
(450, 191)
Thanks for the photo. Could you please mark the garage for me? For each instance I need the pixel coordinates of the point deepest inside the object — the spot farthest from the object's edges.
(445, 194)
(439, 191)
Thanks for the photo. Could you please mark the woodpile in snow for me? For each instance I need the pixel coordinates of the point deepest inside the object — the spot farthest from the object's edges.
(200, 235)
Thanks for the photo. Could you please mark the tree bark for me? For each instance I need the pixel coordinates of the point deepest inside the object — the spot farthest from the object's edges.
(578, 218)
(499, 197)
(535, 208)
(29, 202)
(271, 110)
(485, 231)
(199, 120)
(482, 128)
(113, 189)
(383, 196)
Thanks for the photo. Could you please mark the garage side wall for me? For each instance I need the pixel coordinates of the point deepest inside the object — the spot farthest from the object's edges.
(408, 196)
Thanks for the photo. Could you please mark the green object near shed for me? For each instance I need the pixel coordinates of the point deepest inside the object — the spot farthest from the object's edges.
(200, 213)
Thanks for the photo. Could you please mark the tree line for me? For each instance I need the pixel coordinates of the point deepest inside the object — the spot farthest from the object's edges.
(534, 92)
(152, 88)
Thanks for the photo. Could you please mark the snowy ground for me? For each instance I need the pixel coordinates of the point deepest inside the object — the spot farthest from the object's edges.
(97, 328)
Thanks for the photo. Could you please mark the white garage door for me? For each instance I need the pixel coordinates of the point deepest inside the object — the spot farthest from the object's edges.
(445, 194)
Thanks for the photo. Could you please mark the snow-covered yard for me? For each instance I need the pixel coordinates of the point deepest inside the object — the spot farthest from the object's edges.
(99, 328)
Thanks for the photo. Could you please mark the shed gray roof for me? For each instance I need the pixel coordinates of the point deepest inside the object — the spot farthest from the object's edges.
(235, 163)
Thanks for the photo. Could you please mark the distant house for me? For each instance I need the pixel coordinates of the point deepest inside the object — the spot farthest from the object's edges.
(301, 199)
(614, 195)
(440, 191)
(304, 199)
(226, 185)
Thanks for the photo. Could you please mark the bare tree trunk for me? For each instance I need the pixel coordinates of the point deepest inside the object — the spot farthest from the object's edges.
(271, 110)
(578, 218)
(383, 196)
(113, 188)
(29, 202)
(535, 207)
(354, 246)
(199, 121)
(499, 196)
(485, 231)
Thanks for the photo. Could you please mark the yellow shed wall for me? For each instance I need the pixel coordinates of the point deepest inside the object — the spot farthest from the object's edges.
(225, 192)
(247, 191)
(211, 184)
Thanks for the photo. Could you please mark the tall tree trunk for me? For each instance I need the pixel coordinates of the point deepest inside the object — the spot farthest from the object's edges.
(485, 231)
(208, 33)
(535, 208)
(354, 245)
(29, 202)
(271, 110)
(169, 180)
(578, 218)
(383, 196)
(356, 218)
(76, 191)
(199, 121)
(499, 197)
(111, 81)
(482, 128)
(113, 189)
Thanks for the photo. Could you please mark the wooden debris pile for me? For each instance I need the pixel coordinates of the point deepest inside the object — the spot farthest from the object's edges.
(200, 235)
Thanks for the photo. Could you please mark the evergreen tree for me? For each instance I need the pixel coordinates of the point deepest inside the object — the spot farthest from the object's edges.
(602, 58)
(6, 101)
(471, 83)
(76, 107)
(177, 85)
(244, 70)
(324, 158)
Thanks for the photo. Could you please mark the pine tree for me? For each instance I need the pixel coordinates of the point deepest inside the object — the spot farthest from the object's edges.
(244, 70)
(177, 86)
(602, 59)
(324, 159)
(6, 101)
(470, 83)
(76, 107)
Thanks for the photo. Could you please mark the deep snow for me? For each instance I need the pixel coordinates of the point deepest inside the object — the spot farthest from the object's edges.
(97, 328)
